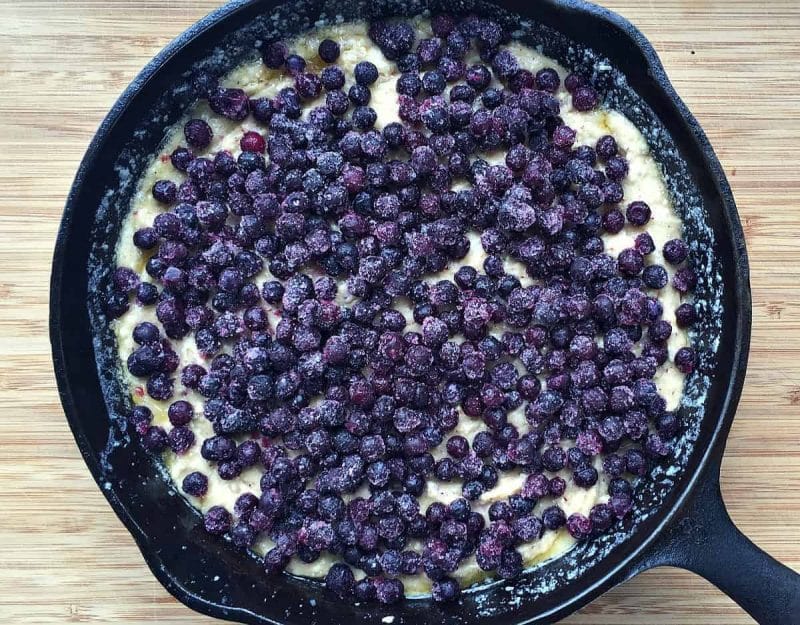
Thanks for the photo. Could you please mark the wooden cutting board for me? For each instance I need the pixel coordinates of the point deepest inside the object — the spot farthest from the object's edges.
(64, 556)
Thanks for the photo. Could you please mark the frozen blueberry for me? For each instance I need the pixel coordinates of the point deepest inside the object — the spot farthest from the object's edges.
(365, 73)
(585, 98)
(685, 360)
(180, 412)
(217, 520)
(274, 54)
(389, 590)
(155, 439)
(181, 439)
(253, 141)
(553, 517)
(445, 590)
(328, 50)
(195, 484)
(295, 64)
(231, 103)
(638, 213)
(606, 147)
(340, 580)
(547, 79)
(198, 133)
(685, 315)
(684, 280)
(504, 64)
(433, 82)
(579, 526)
(655, 276)
(165, 191)
(675, 251)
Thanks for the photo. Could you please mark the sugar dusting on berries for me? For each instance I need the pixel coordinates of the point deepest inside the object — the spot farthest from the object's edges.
(617, 97)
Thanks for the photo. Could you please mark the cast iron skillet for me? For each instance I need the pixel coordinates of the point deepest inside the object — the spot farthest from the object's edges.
(680, 519)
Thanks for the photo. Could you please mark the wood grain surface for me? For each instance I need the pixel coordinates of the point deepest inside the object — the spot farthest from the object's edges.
(64, 556)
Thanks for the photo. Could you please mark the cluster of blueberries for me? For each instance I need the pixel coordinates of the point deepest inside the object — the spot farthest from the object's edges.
(343, 396)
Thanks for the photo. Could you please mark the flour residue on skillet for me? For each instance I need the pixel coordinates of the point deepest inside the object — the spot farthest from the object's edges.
(691, 212)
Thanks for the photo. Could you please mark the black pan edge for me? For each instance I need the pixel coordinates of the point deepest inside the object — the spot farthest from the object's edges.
(741, 286)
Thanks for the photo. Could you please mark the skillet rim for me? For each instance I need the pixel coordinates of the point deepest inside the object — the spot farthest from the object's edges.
(708, 460)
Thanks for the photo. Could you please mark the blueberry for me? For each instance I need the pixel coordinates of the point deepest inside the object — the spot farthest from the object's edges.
(198, 133)
(547, 79)
(274, 55)
(553, 517)
(644, 244)
(606, 147)
(180, 413)
(445, 590)
(217, 520)
(528, 528)
(585, 476)
(340, 580)
(181, 439)
(230, 103)
(504, 64)
(364, 117)
(295, 64)
(155, 439)
(165, 191)
(579, 526)
(328, 50)
(218, 448)
(146, 294)
(389, 590)
(675, 251)
(433, 82)
(365, 73)
(685, 315)
(307, 85)
(585, 98)
(685, 360)
(638, 213)
(195, 484)
(510, 563)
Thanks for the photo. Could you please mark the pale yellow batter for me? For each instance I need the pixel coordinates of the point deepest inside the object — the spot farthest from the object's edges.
(644, 182)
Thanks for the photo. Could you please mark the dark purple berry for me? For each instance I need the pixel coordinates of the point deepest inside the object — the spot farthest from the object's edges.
(165, 191)
(181, 439)
(195, 484)
(365, 73)
(655, 276)
(253, 141)
(340, 580)
(445, 590)
(685, 315)
(155, 439)
(328, 50)
(675, 251)
(217, 520)
(606, 147)
(685, 360)
(547, 80)
(180, 413)
(585, 98)
(198, 133)
(638, 213)
(274, 55)
(579, 526)
(231, 103)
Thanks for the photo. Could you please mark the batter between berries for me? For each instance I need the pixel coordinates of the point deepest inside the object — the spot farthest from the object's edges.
(404, 307)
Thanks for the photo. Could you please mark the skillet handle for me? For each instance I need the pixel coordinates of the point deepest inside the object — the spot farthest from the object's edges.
(705, 540)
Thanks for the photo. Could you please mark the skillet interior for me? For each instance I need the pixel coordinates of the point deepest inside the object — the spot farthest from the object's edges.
(204, 571)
